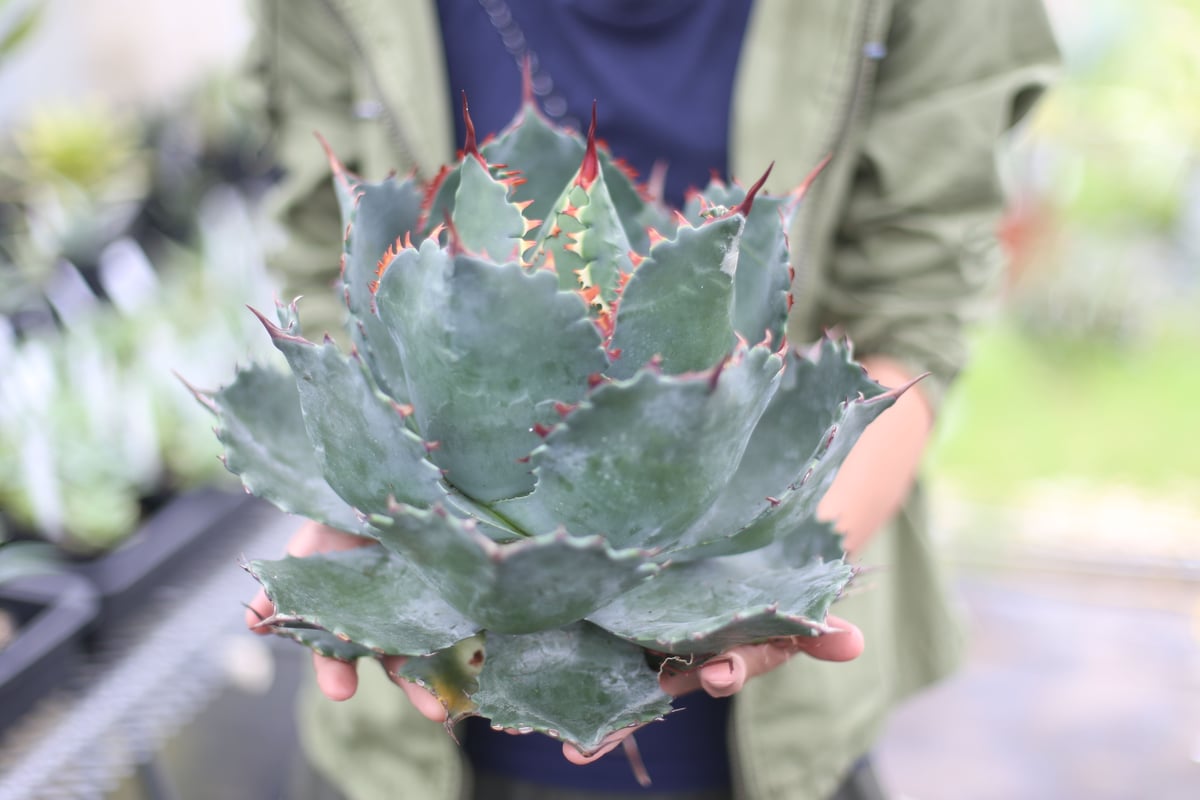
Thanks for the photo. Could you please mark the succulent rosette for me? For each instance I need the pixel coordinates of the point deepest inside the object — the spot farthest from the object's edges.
(556, 430)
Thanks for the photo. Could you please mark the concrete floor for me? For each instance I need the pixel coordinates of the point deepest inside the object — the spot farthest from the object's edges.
(1076, 687)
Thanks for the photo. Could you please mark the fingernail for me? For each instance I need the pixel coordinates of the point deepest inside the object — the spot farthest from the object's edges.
(717, 678)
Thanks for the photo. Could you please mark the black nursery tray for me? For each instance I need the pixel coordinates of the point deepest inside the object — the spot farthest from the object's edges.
(178, 541)
(52, 613)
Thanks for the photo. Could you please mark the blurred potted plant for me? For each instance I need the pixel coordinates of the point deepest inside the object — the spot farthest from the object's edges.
(101, 449)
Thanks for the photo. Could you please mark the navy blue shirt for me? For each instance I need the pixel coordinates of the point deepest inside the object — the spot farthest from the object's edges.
(686, 751)
(661, 73)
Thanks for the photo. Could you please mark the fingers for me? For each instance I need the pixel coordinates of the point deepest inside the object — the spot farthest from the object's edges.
(843, 643)
(422, 699)
(313, 537)
(337, 680)
(727, 674)
(257, 610)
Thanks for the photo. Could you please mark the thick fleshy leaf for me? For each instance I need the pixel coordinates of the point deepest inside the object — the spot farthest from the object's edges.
(266, 445)
(577, 684)
(583, 237)
(532, 584)
(325, 643)
(366, 596)
(642, 459)
(366, 451)
(678, 304)
(796, 507)
(462, 325)
(813, 394)
(452, 675)
(484, 220)
(709, 606)
(382, 216)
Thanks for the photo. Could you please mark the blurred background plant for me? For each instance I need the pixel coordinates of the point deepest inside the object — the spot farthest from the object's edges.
(126, 229)
(1078, 400)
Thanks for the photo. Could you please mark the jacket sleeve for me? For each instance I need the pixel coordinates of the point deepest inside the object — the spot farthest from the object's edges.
(916, 256)
(303, 85)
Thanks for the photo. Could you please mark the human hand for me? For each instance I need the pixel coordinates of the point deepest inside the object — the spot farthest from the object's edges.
(338, 680)
(727, 674)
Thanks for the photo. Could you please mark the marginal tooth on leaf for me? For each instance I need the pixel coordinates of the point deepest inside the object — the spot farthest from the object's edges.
(791, 300)
(636, 260)
(614, 354)
(372, 286)
(470, 146)
(342, 265)
(655, 364)
(589, 294)
(274, 330)
(390, 254)
(774, 501)
(432, 446)
(405, 410)
(715, 375)
(555, 230)
(531, 225)
(595, 379)
(340, 173)
(655, 236)
(681, 219)
(801, 190)
(590, 168)
(431, 192)
(606, 322)
(524, 459)
(541, 430)
(564, 409)
(747, 203)
(765, 342)
(656, 182)
(527, 94)
(455, 245)
(205, 398)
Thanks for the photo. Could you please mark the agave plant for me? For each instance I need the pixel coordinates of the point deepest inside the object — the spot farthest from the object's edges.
(553, 425)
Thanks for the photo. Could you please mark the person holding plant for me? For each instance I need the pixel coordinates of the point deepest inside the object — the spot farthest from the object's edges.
(897, 248)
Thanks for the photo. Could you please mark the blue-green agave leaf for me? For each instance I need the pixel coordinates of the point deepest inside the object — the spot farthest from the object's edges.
(511, 588)
(814, 393)
(642, 459)
(796, 507)
(678, 304)
(366, 451)
(366, 596)
(485, 221)
(377, 218)
(262, 429)
(577, 684)
(710, 606)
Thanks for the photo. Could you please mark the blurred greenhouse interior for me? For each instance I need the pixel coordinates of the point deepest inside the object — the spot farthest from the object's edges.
(1065, 477)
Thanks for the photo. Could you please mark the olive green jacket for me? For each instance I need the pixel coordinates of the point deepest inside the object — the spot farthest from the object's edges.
(897, 247)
